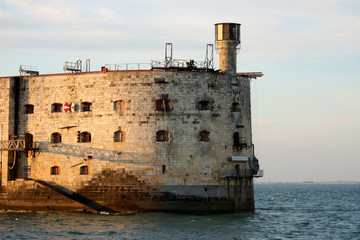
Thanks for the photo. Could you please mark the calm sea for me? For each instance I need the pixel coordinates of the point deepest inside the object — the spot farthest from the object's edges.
(283, 211)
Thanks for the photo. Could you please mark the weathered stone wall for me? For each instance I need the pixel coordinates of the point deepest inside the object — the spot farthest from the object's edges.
(187, 160)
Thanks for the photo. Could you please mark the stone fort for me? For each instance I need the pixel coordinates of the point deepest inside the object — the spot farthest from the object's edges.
(174, 137)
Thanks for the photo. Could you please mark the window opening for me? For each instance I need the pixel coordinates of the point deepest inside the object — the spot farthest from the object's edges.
(163, 169)
(235, 107)
(119, 136)
(29, 108)
(29, 141)
(162, 136)
(204, 136)
(85, 137)
(239, 142)
(119, 105)
(56, 107)
(56, 137)
(55, 170)
(163, 104)
(86, 107)
(84, 170)
(204, 105)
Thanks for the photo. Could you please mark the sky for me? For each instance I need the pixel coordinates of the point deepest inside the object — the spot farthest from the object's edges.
(306, 107)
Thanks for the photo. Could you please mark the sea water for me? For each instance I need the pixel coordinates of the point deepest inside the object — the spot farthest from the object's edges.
(283, 211)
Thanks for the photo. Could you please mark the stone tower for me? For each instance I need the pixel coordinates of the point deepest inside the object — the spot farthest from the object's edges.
(227, 37)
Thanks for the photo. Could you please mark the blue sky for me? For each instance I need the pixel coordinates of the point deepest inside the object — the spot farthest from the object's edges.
(306, 108)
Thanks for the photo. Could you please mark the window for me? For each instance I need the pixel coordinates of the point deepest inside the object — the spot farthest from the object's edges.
(55, 170)
(163, 104)
(28, 140)
(56, 107)
(239, 142)
(162, 136)
(29, 109)
(56, 137)
(204, 136)
(119, 136)
(85, 137)
(235, 107)
(163, 169)
(84, 170)
(120, 105)
(204, 105)
(86, 107)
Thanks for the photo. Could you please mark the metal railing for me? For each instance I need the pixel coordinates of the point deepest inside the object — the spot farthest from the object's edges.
(128, 66)
(181, 63)
(235, 173)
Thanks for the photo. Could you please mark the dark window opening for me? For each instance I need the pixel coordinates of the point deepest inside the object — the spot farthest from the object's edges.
(162, 136)
(55, 170)
(235, 107)
(120, 105)
(29, 140)
(204, 136)
(163, 169)
(85, 137)
(204, 105)
(29, 109)
(56, 137)
(84, 170)
(163, 104)
(119, 136)
(86, 107)
(239, 142)
(56, 107)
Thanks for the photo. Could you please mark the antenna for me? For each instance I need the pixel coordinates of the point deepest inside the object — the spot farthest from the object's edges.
(168, 54)
(209, 59)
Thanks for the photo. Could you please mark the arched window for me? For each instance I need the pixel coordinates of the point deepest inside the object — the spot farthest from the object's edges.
(29, 108)
(84, 170)
(204, 105)
(86, 106)
(119, 105)
(56, 107)
(55, 170)
(162, 136)
(163, 104)
(236, 137)
(204, 136)
(29, 140)
(235, 107)
(85, 137)
(119, 136)
(56, 137)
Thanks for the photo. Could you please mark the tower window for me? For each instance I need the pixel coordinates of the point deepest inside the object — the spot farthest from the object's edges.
(204, 136)
(55, 170)
(119, 105)
(56, 107)
(162, 136)
(86, 106)
(29, 108)
(239, 142)
(56, 137)
(163, 104)
(29, 140)
(235, 107)
(84, 170)
(85, 137)
(204, 105)
(119, 136)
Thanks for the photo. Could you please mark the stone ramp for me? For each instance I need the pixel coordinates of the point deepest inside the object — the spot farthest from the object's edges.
(75, 196)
